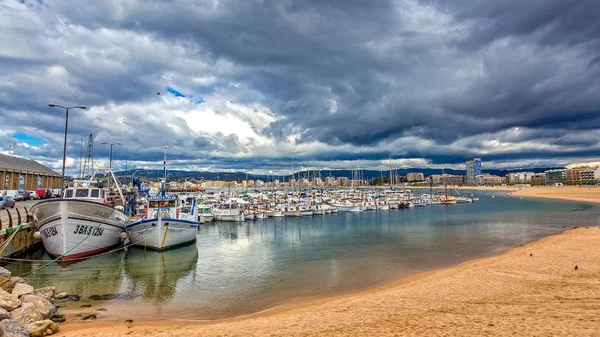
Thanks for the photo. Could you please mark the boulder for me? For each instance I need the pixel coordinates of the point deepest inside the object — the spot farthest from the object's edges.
(27, 313)
(46, 292)
(8, 301)
(44, 306)
(22, 289)
(18, 279)
(74, 297)
(5, 272)
(7, 284)
(41, 328)
(13, 329)
(62, 295)
(3, 315)
(58, 318)
(89, 317)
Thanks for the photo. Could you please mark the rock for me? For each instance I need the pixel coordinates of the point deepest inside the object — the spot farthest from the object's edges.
(101, 309)
(107, 297)
(13, 328)
(5, 272)
(576, 267)
(88, 317)
(128, 321)
(18, 279)
(8, 302)
(7, 284)
(46, 293)
(58, 318)
(3, 315)
(27, 313)
(44, 306)
(86, 306)
(22, 289)
(60, 296)
(74, 298)
(41, 328)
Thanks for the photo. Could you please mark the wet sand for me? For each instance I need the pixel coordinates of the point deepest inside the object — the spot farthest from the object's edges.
(505, 295)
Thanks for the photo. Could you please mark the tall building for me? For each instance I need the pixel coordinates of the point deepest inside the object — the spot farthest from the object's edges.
(415, 176)
(473, 170)
(555, 176)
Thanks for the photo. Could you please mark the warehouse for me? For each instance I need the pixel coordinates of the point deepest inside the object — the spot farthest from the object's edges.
(25, 174)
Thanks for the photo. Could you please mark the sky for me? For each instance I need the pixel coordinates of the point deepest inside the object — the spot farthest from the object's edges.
(255, 85)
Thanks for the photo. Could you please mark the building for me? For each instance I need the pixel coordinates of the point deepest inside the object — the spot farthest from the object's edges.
(590, 175)
(25, 174)
(539, 178)
(521, 177)
(573, 175)
(455, 179)
(488, 179)
(554, 176)
(473, 170)
(415, 176)
(436, 179)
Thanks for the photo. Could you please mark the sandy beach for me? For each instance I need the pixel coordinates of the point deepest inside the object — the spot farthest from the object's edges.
(514, 293)
(573, 193)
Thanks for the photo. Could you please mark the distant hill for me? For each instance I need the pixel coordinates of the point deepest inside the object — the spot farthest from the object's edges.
(176, 175)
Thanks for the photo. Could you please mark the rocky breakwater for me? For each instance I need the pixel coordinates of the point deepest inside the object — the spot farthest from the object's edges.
(25, 311)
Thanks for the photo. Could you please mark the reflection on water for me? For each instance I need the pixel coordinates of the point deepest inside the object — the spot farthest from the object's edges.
(240, 268)
(155, 274)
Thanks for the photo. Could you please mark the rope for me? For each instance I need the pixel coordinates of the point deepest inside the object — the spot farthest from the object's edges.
(5, 244)
(85, 257)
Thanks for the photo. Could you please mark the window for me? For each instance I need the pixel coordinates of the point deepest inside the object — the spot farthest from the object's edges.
(69, 194)
(95, 193)
(81, 193)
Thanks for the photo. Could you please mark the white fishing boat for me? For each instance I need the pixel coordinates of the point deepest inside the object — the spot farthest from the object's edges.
(164, 225)
(83, 222)
(291, 211)
(249, 215)
(204, 214)
(305, 211)
(229, 211)
(260, 215)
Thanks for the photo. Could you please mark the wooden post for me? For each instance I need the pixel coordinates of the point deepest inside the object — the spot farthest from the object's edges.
(18, 215)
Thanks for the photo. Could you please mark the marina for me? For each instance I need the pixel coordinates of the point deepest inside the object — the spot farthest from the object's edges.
(276, 260)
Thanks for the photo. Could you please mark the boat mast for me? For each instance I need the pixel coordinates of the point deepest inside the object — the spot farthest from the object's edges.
(164, 183)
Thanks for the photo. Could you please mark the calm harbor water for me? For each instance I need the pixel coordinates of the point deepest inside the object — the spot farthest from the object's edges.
(242, 268)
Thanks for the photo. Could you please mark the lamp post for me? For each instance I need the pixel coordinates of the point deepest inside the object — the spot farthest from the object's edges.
(111, 145)
(83, 107)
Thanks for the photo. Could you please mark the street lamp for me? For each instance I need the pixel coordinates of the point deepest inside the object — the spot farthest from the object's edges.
(111, 145)
(52, 105)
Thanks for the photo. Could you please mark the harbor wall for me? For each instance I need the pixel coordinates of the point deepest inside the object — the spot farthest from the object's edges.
(16, 220)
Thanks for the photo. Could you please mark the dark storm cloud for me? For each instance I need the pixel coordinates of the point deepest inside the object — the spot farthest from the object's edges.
(441, 80)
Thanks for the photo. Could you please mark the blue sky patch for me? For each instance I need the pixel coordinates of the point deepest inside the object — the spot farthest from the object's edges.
(199, 101)
(29, 139)
(175, 92)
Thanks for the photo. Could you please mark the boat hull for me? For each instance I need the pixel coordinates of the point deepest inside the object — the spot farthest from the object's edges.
(161, 234)
(74, 229)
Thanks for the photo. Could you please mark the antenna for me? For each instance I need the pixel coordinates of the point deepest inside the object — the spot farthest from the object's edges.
(88, 164)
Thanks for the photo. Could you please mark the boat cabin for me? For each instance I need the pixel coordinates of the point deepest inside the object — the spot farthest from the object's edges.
(86, 193)
(163, 206)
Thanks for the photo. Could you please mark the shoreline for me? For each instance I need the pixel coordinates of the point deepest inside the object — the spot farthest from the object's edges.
(349, 311)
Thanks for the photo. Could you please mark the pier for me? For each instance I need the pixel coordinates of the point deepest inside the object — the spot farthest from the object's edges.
(16, 220)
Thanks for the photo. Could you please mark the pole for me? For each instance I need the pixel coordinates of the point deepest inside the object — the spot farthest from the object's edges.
(80, 156)
(110, 160)
(62, 189)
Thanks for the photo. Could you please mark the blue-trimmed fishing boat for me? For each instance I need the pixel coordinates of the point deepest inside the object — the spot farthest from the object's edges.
(163, 225)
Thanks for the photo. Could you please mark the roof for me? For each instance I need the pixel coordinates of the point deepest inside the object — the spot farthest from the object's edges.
(25, 165)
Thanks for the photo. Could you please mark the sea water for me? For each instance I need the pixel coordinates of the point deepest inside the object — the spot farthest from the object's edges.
(242, 268)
